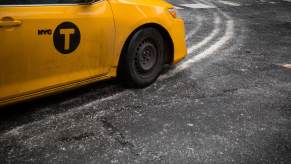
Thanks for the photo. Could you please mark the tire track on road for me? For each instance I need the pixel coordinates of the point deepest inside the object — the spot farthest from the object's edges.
(195, 30)
(210, 50)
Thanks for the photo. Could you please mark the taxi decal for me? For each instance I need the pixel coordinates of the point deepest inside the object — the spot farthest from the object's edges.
(66, 37)
(44, 32)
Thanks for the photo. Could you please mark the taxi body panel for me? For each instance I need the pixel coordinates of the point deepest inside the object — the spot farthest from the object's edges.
(32, 65)
(142, 12)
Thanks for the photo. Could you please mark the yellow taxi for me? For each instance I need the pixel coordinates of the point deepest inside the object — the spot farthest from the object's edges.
(48, 46)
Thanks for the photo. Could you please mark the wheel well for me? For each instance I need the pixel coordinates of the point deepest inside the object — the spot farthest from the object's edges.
(166, 36)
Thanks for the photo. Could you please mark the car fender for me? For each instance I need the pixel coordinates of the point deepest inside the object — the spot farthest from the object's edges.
(130, 15)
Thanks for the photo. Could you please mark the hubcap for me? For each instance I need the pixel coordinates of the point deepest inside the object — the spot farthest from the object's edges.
(146, 56)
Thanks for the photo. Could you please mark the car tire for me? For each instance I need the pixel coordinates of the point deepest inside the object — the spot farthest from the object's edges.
(143, 59)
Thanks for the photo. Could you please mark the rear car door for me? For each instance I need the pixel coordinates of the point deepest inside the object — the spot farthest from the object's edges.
(49, 43)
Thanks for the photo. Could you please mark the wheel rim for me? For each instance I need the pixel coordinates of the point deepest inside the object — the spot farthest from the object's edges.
(146, 57)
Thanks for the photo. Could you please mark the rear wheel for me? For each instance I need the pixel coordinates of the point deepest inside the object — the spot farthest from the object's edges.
(143, 58)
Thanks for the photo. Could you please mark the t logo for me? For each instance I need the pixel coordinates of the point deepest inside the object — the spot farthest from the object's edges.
(66, 37)
(67, 33)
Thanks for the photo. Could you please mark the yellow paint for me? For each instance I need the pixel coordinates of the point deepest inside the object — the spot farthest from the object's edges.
(30, 64)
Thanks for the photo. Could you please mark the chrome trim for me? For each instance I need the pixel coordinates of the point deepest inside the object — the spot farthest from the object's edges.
(67, 4)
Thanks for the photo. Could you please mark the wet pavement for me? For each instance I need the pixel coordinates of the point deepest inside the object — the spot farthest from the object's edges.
(229, 101)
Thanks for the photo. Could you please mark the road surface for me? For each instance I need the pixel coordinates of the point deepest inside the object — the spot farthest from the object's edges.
(229, 101)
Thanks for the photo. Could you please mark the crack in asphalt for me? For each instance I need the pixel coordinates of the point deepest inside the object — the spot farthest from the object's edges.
(115, 133)
(220, 94)
(79, 137)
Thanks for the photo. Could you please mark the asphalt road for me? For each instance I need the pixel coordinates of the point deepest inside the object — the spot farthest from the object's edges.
(229, 101)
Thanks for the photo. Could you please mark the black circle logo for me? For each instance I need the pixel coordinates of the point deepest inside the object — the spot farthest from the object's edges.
(66, 37)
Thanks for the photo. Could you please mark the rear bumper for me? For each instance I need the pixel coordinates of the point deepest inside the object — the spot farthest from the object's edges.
(178, 36)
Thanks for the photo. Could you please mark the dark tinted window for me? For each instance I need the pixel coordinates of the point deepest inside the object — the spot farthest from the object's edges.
(32, 2)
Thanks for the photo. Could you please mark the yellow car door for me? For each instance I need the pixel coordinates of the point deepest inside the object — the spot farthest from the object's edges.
(45, 44)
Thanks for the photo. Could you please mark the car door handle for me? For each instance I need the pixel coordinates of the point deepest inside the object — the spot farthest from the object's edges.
(10, 23)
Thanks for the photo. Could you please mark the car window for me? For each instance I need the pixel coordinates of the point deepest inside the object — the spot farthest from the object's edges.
(33, 2)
